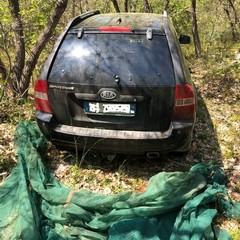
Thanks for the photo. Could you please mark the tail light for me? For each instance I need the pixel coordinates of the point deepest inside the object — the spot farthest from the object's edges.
(115, 29)
(41, 96)
(184, 102)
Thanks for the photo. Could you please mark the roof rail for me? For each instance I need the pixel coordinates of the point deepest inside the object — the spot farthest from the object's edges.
(165, 13)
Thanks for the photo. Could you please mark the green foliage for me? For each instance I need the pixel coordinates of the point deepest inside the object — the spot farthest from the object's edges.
(4, 12)
(35, 14)
(214, 27)
(224, 66)
(17, 111)
(11, 113)
(180, 13)
(235, 234)
(5, 25)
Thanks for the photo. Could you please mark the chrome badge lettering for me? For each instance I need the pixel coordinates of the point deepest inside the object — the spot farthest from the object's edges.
(108, 95)
(61, 87)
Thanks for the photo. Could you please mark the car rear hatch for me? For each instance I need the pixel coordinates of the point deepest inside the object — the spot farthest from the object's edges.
(113, 77)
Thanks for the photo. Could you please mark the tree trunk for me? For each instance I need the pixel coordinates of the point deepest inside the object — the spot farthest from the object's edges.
(19, 44)
(236, 19)
(167, 4)
(116, 7)
(126, 5)
(86, 8)
(3, 70)
(232, 21)
(196, 39)
(80, 7)
(232, 24)
(22, 70)
(73, 8)
(146, 6)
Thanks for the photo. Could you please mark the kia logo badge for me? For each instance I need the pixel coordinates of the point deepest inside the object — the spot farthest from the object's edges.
(108, 95)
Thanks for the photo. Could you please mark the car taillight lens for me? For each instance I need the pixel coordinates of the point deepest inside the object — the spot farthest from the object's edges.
(41, 96)
(115, 29)
(184, 102)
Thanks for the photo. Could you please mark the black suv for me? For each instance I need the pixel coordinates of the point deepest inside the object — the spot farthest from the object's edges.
(117, 83)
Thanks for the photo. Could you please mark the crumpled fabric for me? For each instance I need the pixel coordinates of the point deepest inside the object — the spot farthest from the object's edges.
(176, 205)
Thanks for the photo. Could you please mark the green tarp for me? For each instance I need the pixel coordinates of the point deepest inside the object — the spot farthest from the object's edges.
(177, 205)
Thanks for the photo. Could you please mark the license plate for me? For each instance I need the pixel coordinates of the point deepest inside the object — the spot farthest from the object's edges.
(115, 109)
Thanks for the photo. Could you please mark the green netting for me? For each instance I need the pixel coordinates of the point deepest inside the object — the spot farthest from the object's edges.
(177, 205)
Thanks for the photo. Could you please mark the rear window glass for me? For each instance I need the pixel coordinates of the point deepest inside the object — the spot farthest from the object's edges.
(99, 57)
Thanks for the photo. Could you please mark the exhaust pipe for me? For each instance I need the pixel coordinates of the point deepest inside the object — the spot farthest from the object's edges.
(151, 155)
(108, 156)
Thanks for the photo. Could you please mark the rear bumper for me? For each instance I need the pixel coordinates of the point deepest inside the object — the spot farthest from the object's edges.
(176, 138)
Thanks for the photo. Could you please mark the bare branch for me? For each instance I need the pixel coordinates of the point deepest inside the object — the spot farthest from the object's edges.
(41, 43)
(116, 7)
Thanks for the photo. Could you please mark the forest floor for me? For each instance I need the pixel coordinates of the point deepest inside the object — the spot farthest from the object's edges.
(216, 140)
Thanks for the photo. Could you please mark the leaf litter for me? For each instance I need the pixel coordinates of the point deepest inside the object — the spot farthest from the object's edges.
(216, 139)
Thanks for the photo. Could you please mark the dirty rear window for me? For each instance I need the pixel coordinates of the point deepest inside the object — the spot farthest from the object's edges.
(99, 57)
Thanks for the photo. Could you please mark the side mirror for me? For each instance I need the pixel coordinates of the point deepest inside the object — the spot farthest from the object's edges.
(184, 39)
